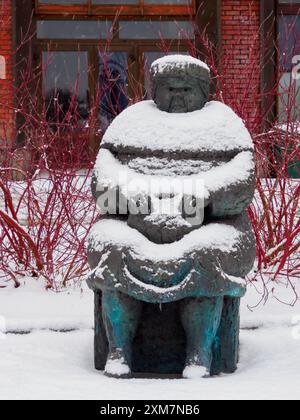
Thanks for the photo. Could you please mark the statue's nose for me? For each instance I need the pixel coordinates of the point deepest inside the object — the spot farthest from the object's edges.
(178, 99)
(178, 92)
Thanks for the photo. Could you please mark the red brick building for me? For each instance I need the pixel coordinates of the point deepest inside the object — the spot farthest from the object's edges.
(250, 39)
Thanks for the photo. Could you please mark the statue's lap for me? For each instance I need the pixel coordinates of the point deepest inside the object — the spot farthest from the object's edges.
(177, 274)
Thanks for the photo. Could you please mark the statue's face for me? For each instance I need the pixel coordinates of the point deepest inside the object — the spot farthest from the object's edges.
(180, 95)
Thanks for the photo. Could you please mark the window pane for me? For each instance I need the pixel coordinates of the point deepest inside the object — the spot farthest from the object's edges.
(65, 84)
(289, 40)
(289, 98)
(77, 29)
(113, 81)
(156, 30)
(149, 58)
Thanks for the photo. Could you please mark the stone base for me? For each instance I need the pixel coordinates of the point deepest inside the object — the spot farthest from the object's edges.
(159, 345)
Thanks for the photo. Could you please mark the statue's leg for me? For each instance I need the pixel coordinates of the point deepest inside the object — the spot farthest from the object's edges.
(100, 339)
(201, 319)
(121, 315)
(226, 346)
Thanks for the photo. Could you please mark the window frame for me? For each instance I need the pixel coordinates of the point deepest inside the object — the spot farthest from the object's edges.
(112, 10)
(287, 9)
(270, 10)
(283, 10)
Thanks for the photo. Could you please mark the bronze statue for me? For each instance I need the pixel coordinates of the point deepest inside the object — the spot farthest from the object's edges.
(171, 251)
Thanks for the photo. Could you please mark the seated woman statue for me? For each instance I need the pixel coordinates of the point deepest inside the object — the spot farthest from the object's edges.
(173, 181)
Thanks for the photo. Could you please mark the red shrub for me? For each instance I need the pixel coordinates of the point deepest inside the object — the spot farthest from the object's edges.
(46, 217)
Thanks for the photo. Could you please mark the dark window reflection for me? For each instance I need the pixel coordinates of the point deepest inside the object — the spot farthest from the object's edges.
(65, 86)
(74, 29)
(289, 40)
(289, 98)
(129, 29)
(289, 84)
(112, 94)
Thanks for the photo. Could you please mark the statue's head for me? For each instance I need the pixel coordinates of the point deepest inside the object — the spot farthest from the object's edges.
(180, 83)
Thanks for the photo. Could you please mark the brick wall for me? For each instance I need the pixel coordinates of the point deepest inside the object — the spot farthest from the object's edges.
(6, 90)
(240, 23)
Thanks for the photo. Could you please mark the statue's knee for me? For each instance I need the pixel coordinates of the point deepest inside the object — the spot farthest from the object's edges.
(202, 310)
(120, 304)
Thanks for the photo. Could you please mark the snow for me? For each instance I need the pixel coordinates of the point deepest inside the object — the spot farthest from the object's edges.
(177, 61)
(214, 236)
(143, 126)
(31, 307)
(117, 367)
(59, 365)
(291, 128)
(169, 167)
(49, 365)
(111, 173)
(169, 220)
(195, 372)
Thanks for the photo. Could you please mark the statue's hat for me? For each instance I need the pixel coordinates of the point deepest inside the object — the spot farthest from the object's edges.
(179, 65)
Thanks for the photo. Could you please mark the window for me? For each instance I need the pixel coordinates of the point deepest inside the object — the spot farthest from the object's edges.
(288, 26)
(65, 84)
(113, 81)
(102, 63)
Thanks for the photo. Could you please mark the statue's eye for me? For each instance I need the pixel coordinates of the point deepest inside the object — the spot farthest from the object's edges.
(171, 89)
(187, 89)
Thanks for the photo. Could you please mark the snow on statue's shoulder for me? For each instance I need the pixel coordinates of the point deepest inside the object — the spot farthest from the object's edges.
(178, 61)
(215, 128)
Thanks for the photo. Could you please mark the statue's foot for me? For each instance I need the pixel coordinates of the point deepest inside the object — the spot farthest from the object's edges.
(195, 372)
(117, 366)
(196, 366)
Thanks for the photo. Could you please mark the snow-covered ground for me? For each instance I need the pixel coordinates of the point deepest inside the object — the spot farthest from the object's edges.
(54, 360)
